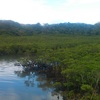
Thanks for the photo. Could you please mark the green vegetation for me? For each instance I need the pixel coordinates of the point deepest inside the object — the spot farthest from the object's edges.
(75, 58)
(8, 27)
(72, 48)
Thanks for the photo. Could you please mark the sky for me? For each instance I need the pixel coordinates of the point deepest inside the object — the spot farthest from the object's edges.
(50, 11)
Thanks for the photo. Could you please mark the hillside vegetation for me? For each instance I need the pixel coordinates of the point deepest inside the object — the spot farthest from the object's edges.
(8, 27)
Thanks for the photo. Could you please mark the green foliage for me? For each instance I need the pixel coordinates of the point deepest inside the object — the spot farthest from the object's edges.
(86, 88)
(57, 84)
(73, 49)
(8, 27)
(75, 58)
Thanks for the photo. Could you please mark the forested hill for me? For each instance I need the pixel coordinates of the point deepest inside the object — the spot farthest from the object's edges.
(8, 27)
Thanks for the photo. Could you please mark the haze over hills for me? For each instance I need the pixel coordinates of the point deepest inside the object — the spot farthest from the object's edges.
(9, 27)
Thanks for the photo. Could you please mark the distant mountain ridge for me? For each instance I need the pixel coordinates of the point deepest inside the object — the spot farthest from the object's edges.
(9, 27)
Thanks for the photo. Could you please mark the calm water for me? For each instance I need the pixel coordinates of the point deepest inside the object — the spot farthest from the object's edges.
(17, 85)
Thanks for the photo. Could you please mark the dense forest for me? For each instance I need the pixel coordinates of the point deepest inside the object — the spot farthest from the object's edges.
(9, 27)
(73, 50)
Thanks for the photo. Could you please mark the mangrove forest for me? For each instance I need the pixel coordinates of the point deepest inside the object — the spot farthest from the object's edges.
(67, 55)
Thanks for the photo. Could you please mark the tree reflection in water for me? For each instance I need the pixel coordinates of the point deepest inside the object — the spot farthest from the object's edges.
(29, 76)
(44, 74)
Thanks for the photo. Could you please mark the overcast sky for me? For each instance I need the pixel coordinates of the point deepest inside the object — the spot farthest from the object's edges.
(50, 11)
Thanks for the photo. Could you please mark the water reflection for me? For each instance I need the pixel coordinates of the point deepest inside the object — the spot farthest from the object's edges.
(44, 77)
(17, 83)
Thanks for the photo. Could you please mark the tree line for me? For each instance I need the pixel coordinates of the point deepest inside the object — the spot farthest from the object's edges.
(8, 27)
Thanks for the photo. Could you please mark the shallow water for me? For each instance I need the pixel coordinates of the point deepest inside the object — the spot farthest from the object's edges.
(17, 86)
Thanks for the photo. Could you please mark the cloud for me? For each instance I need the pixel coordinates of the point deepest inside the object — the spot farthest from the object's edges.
(81, 1)
(50, 11)
(26, 11)
(80, 11)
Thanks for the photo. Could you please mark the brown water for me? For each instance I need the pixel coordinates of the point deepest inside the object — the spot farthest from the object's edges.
(18, 85)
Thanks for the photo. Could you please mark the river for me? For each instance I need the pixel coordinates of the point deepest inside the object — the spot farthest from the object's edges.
(18, 85)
